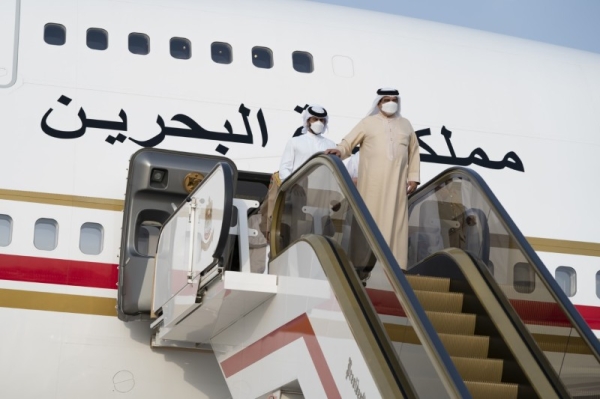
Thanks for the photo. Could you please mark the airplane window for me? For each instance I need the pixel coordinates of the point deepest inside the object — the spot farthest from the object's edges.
(567, 279)
(97, 39)
(302, 61)
(598, 284)
(221, 53)
(523, 278)
(139, 43)
(91, 238)
(55, 34)
(5, 230)
(262, 57)
(45, 235)
(181, 48)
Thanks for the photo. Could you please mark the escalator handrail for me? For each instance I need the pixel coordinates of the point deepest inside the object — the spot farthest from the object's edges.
(533, 259)
(412, 307)
(517, 337)
(368, 330)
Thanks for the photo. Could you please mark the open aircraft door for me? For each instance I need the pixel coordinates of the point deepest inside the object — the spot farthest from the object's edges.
(158, 182)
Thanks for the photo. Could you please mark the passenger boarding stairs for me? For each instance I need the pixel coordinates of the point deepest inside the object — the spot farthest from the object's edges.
(331, 313)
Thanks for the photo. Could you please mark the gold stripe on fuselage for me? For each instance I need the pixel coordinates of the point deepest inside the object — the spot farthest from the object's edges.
(63, 200)
(565, 247)
(34, 300)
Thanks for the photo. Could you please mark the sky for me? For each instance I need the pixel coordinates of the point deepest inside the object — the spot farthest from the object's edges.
(569, 23)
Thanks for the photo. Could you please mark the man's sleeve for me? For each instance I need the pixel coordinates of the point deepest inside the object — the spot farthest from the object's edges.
(286, 167)
(352, 139)
(414, 159)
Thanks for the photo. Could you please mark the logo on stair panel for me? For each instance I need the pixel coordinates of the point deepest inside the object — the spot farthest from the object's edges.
(354, 381)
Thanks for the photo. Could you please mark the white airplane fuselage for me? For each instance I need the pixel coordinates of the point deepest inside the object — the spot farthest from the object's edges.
(71, 117)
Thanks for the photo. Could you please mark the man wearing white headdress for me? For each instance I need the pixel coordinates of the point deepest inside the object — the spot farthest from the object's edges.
(297, 151)
(389, 167)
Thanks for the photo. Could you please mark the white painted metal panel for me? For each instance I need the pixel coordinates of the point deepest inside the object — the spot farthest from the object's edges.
(8, 41)
(303, 334)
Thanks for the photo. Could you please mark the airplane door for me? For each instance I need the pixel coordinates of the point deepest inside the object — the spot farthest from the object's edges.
(158, 182)
(9, 41)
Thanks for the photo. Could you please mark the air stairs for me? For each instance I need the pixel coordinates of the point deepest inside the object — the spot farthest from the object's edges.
(326, 318)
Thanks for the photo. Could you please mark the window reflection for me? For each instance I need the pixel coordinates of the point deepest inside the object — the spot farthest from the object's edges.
(221, 53)
(181, 48)
(262, 57)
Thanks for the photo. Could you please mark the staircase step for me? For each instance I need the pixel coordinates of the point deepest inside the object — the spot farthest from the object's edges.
(426, 283)
(471, 346)
(453, 323)
(482, 370)
(488, 390)
(450, 302)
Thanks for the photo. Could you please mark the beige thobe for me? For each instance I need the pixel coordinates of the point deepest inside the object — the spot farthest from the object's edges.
(389, 158)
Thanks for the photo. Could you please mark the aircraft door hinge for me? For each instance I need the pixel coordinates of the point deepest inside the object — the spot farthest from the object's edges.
(192, 210)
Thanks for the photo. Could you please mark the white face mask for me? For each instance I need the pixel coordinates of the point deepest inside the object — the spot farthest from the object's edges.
(390, 107)
(317, 127)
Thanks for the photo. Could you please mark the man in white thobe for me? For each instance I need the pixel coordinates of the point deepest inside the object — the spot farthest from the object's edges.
(389, 167)
(297, 151)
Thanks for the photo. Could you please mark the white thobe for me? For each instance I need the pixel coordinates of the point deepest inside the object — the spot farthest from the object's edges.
(299, 149)
(390, 159)
(352, 165)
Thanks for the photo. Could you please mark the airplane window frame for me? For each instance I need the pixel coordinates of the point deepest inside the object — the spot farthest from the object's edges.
(6, 242)
(343, 66)
(598, 283)
(225, 45)
(93, 31)
(183, 39)
(36, 231)
(86, 244)
(138, 35)
(571, 281)
(309, 57)
(519, 286)
(255, 57)
(52, 25)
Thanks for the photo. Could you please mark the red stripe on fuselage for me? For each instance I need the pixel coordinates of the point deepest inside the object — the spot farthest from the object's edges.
(591, 315)
(296, 329)
(58, 271)
(105, 275)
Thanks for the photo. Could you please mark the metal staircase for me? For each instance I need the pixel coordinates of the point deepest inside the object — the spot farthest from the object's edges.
(477, 349)
(334, 299)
